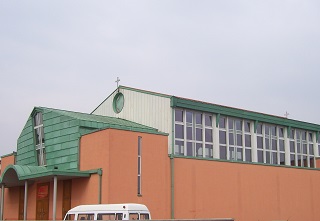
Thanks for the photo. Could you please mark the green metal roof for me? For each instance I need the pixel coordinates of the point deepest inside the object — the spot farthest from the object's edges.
(104, 122)
(15, 175)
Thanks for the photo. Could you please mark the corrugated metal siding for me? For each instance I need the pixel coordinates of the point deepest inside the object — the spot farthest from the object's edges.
(147, 109)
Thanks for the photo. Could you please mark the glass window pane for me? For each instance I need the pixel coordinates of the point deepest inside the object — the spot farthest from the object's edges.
(209, 151)
(232, 154)
(198, 118)
(179, 133)
(139, 165)
(223, 152)
(239, 154)
(248, 140)
(260, 156)
(259, 142)
(190, 149)
(231, 139)
(189, 116)
(311, 152)
(247, 126)
(292, 160)
(222, 122)
(259, 129)
(280, 132)
(239, 140)
(44, 158)
(238, 125)
(222, 137)
(198, 134)
(282, 159)
(199, 150)
(179, 147)
(209, 135)
(305, 149)
(37, 135)
(292, 149)
(230, 123)
(298, 148)
(304, 135)
(266, 130)
(179, 115)
(310, 137)
(274, 144)
(274, 131)
(189, 133)
(292, 133)
(208, 120)
(298, 134)
(248, 155)
(274, 159)
(281, 145)
(268, 157)
(267, 143)
(312, 162)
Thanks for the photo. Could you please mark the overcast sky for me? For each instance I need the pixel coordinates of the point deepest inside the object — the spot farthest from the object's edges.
(256, 55)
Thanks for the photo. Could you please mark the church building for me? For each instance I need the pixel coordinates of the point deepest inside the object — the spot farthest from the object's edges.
(182, 158)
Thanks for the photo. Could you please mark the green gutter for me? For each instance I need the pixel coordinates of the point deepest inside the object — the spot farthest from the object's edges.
(234, 112)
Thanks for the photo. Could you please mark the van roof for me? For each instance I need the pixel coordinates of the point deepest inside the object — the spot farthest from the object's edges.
(110, 207)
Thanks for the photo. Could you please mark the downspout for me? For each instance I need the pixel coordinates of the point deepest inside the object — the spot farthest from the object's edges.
(25, 205)
(172, 165)
(54, 209)
(2, 201)
(100, 185)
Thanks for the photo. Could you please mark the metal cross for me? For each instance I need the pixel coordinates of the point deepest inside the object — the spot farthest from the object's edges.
(117, 81)
(286, 114)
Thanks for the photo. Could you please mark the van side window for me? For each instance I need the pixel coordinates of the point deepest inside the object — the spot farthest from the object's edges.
(144, 216)
(119, 216)
(106, 216)
(70, 217)
(133, 216)
(86, 216)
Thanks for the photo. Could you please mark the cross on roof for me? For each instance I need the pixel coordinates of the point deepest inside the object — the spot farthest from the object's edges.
(286, 114)
(117, 81)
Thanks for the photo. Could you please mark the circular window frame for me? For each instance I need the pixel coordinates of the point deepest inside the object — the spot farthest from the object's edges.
(115, 100)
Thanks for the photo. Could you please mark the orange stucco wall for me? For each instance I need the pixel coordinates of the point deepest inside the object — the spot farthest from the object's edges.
(11, 205)
(245, 192)
(116, 152)
(6, 161)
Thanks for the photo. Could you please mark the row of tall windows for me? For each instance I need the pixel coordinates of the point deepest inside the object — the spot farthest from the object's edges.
(235, 139)
(242, 140)
(193, 134)
(301, 148)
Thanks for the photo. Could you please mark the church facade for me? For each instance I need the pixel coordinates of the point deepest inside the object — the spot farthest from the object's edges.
(182, 158)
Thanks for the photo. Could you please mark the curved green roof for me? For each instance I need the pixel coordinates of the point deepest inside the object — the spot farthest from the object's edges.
(15, 175)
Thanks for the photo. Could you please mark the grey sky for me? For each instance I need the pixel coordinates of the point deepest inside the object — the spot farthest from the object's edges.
(257, 55)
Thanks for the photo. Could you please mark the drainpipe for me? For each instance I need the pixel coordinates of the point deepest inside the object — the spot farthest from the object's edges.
(172, 165)
(2, 201)
(54, 198)
(172, 185)
(25, 205)
(100, 185)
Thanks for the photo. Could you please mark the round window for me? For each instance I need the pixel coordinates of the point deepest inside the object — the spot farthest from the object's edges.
(118, 102)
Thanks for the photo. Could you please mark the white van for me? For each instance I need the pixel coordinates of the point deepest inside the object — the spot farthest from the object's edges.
(127, 211)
